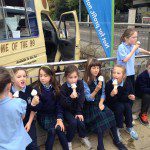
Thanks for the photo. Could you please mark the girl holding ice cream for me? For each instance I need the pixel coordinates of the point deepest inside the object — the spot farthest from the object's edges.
(72, 99)
(21, 90)
(98, 117)
(49, 111)
(119, 97)
(127, 51)
(13, 135)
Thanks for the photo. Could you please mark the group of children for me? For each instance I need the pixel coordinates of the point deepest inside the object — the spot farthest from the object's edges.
(80, 106)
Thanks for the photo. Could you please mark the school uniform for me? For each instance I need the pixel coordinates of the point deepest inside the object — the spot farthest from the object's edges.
(142, 89)
(48, 111)
(96, 120)
(73, 107)
(122, 52)
(25, 94)
(120, 104)
(13, 135)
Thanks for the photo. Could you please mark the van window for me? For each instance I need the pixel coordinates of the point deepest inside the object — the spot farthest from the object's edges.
(50, 36)
(67, 31)
(17, 19)
(2, 25)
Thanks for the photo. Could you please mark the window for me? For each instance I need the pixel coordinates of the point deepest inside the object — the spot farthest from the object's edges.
(67, 28)
(50, 35)
(20, 19)
(2, 25)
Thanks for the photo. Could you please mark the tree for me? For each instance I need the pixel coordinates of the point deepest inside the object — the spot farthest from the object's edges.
(123, 5)
(57, 7)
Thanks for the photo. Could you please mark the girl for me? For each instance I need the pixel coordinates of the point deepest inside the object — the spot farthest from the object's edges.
(127, 50)
(13, 136)
(49, 111)
(119, 99)
(19, 86)
(72, 99)
(98, 117)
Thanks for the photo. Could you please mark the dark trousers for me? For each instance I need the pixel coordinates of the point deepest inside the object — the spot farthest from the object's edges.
(113, 131)
(145, 103)
(32, 133)
(73, 126)
(131, 79)
(51, 138)
(122, 110)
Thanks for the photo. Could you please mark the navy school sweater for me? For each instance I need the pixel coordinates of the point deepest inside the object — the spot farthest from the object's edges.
(142, 84)
(74, 106)
(49, 103)
(123, 92)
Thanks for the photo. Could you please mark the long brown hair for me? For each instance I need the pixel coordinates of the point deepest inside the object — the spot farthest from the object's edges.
(49, 71)
(88, 78)
(127, 34)
(5, 78)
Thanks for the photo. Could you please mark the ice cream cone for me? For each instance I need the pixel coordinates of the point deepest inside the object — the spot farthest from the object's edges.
(35, 99)
(100, 79)
(115, 84)
(16, 94)
(138, 42)
(73, 86)
(34, 92)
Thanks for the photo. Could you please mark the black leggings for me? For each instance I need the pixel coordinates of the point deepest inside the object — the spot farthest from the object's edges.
(51, 137)
(113, 131)
(145, 103)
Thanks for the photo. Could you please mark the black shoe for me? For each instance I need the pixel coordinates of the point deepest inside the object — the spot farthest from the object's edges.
(120, 146)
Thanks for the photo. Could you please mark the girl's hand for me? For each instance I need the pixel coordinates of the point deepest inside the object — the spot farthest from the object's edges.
(114, 92)
(74, 95)
(131, 97)
(10, 95)
(35, 100)
(28, 126)
(98, 87)
(60, 123)
(101, 106)
(136, 46)
(80, 117)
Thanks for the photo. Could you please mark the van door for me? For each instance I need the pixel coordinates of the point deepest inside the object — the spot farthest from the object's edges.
(69, 37)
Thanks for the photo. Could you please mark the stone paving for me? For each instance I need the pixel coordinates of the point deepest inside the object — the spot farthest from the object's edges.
(142, 144)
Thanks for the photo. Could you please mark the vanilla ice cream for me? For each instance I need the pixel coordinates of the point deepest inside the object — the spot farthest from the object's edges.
(101, 78)
(115, 83)
(34, 92)
(16, 94)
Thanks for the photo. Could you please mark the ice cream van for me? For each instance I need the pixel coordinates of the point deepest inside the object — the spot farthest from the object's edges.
(28, 35)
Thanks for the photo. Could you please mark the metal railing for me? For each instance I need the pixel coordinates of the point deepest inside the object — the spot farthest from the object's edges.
(106, 68)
